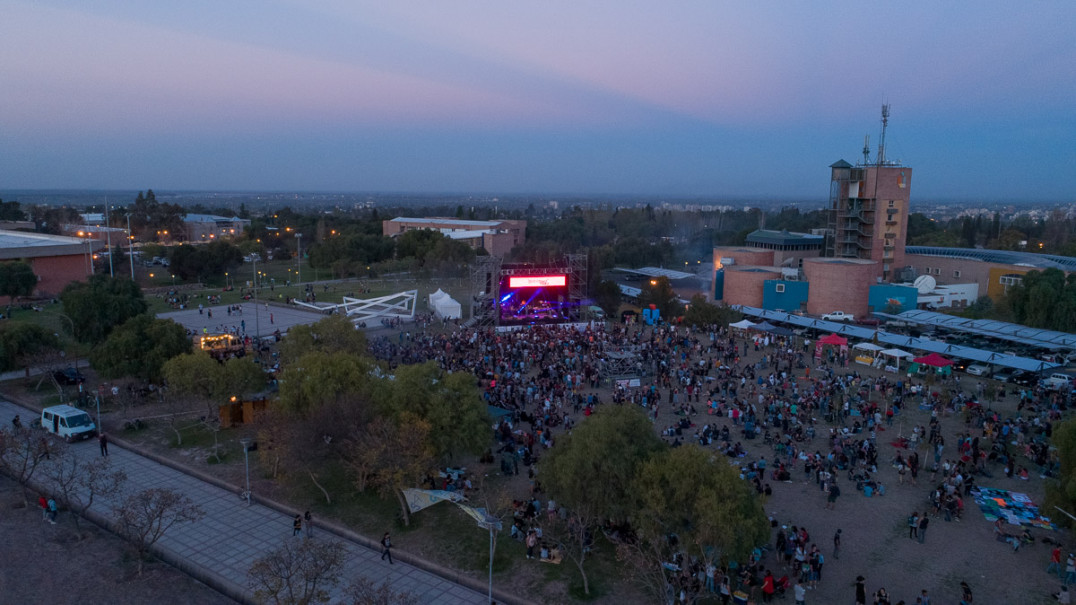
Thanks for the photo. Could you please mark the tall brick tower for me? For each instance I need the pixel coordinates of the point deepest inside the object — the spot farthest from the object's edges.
(868, 209)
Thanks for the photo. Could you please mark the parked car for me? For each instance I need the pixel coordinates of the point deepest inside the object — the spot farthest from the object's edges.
(839, 316)
(1003, 377)
(1058, 381)
(1024, 379)
(978, 370)
(69, 376)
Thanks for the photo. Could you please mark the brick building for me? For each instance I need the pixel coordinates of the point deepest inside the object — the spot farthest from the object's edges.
(57, 260)
(496, 237)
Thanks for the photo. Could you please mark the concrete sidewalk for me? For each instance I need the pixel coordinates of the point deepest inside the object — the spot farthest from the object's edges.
(219, 549)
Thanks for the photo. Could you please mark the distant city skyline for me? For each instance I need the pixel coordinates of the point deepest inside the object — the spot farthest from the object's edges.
(691, 99)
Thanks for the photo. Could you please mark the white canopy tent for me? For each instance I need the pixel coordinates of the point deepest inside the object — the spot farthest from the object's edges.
(444, 306)
(743, 324)
(868, 346)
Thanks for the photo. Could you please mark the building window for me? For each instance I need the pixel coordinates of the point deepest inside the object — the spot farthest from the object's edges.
(926, 270)
(1010, 280)
(779, 288)
(956, 273)
(892, 203)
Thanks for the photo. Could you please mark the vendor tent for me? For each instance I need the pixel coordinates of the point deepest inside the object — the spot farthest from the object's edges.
(445, 306)
(934, 360)
(764, 326)
(833, 339)
(867, 346)
(898, 353)
(743, 324)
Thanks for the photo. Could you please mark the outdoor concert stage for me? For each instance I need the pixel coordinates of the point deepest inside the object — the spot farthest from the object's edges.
(522, 294)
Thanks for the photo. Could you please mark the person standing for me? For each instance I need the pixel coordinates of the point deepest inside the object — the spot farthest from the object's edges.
(103, 439)
(309, 526)
(837, 545)
(800, 593)
(16, 424)
(966, 598)
(924, 521)
(52, 510)
(386, 548)
(913, 525)
(44, 504)
(297, 525)
(1055, 562)
(861, 591)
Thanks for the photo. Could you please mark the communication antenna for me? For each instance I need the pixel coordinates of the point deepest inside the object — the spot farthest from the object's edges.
(881, 143)
(866, 149)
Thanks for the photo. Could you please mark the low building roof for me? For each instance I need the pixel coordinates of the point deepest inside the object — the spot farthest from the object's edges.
(783, 238)
(24, 244)
(1001, 257)
(445, 221)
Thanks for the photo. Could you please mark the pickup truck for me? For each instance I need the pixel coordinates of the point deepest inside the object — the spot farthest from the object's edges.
(1057, 381)
(838, 316)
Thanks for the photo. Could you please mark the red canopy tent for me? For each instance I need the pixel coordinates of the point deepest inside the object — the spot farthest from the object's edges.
(833, 339)
(933, 360)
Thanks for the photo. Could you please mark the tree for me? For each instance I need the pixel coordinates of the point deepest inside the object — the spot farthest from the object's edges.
(703, 313)
(691, 501)
(450, 403)
(22, 342)
(363, 591)
(96, 307)
(392, 454)
(205, 262)
(319, 377)
(11, 211)
(21, 454)
(144, 517)
(140, 347)
(77, 484)
(593, 469)
(299, 572)
(659, 292)
(334, 334)
(607, 296)
(17, 279)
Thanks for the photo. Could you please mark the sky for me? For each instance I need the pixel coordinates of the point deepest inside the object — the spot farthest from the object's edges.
(711, 98)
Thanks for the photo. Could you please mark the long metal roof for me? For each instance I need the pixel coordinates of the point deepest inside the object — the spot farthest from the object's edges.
(1003, 257)
(900, 340)
(1035, 337)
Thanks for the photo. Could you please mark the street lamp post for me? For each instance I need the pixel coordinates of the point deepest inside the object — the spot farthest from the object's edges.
(245, 441)
(299, 257)
(257, 314)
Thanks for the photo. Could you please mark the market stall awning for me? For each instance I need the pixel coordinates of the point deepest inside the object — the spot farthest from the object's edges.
(898, 353)
(833, 339)
(743, 324)
(867, 346)
(934, 360)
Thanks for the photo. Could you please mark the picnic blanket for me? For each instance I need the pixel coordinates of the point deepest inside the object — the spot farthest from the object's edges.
(1015, 508)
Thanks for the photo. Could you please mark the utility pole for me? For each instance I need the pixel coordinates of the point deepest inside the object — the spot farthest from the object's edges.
(108, 238)
(130, 245)
(257, 311)
(299, 257)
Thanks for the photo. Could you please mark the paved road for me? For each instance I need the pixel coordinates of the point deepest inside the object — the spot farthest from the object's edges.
(221, 547)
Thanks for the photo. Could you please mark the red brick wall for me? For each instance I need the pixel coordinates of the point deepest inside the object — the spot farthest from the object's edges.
(839, 286)
(744, 287)
(55, 272)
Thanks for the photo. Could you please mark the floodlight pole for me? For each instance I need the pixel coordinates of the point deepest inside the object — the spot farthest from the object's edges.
(130, 245)
(257, 314)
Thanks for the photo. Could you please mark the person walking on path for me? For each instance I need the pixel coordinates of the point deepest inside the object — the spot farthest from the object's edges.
(52, 510)
(837, 545)
(913, 525)
(103, 438)
(966, 598)
(16, 424)
(297, 525)
(309, 525)
(1070, 570)
(924, 521)
(386, 548)
(861, 591)
(44, 504)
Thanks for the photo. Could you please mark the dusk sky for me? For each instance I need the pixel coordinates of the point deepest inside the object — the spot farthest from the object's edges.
(687, 98)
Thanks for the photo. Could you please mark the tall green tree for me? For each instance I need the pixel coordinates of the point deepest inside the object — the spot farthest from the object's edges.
(450, 403)
(334, 334)
(593, 469)
(703, 313)
(140, 348)
(19, 342)
(607, 296)
(317, 377)
(692, 500)
(17, 279)
(99, 305)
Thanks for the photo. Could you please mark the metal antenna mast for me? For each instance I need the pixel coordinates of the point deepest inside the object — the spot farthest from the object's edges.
(881, 143)
(866, 149)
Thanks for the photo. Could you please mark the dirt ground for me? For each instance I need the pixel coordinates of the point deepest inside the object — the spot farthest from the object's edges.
(45, 563)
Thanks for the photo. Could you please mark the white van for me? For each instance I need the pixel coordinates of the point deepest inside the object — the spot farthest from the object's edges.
(68, 422)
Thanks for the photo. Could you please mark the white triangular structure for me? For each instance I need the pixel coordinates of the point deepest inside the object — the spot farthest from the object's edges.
(400, 305)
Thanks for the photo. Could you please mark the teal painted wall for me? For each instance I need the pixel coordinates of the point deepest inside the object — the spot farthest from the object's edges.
(795, 294)
(879, 297)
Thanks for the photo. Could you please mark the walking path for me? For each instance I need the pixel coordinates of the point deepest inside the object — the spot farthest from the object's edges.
(219, 549)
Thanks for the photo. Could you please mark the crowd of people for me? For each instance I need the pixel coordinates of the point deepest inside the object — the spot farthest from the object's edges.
(816, 417)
